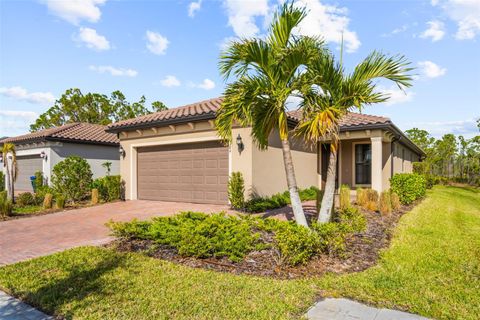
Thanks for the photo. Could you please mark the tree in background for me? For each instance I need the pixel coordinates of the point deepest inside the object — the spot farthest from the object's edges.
(75, 106)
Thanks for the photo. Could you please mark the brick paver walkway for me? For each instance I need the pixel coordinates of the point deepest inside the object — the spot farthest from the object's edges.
(27, 238)
(345, 309)
(13, 309)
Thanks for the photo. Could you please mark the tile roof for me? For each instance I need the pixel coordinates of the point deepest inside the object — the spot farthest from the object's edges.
(210, 107)
(75, 132)
(350, 120)
(206, 107)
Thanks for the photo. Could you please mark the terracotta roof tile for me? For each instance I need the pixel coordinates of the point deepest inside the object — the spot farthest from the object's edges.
(209, 107)
(77, 132)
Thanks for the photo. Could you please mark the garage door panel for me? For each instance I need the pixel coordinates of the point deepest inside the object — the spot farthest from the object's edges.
(196, 172)
(27, 166)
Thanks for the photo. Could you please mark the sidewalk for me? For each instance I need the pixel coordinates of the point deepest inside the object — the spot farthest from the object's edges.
(13, 309)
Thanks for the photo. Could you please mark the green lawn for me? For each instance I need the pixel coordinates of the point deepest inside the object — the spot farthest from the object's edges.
(432, 268)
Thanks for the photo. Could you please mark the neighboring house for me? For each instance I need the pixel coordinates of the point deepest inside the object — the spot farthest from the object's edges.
(42, 150)
(176, 155)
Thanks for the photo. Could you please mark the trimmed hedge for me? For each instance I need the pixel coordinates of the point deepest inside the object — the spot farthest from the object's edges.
(279, 200)
(408, 186)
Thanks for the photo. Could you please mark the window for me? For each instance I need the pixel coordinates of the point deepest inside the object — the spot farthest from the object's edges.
(363, 164)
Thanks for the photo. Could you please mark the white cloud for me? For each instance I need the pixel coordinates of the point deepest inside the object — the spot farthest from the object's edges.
(396, 95)
(435, 31)
(242, 14)
(21, 94)
(434, 2)
(156, 43)
(117, 72)
(170, 81)
(329, 22)
(468, 127)
(90, 38)
(465, 13)
(15, 122)
(194, 7)
(206, 84)
(431, 70)
(395, 31)
(74, 11)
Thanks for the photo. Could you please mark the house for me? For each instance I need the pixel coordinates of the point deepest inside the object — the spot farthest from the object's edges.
(42, 150)
(176, 155)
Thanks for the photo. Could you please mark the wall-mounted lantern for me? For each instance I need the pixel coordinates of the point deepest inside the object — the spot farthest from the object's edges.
(121, 151)
(43, 155)
(240, 144)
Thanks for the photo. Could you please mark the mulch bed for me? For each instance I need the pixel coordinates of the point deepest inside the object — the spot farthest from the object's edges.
(362, 252)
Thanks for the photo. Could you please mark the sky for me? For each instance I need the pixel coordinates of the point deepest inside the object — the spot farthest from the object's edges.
(168, 50)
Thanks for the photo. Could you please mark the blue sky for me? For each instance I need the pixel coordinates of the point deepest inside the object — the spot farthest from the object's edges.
(168, 51)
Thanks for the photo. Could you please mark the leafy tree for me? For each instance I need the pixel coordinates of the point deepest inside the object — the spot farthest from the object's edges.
(267, 72)
(75, 106)
(158, 106)
(335, 93)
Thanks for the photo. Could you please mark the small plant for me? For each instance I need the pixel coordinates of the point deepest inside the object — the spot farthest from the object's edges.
(6, 206)
(361, 197)
(394, 200)
(72, 177)
(60, 201)
(26, 199)
(47, 201)
(39, 183)
(408, 186)
(109, 187)
(371, 206)
(345, 202)
(385, 203)
(94, 196)
(279, 200)
(108, 166)
(236, 191)
(2, 181)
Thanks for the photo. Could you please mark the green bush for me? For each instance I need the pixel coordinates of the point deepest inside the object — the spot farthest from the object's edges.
(236, 190)
(72, 177)
(26, 199)
(60, 201)
(408, 186)
(41, 192)
(39, 182)
(2, 181)
(109, 187)
(279, 200)
(6, 206)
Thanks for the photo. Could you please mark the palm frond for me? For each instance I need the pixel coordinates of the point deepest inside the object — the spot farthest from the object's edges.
(284, 21)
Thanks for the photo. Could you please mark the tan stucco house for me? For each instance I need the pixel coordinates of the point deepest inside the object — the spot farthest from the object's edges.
(176, 155)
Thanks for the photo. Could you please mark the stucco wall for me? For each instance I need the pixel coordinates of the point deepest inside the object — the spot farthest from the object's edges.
(95, 155)
(269, 175)
(403, 159)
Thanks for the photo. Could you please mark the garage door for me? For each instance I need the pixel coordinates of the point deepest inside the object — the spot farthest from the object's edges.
(196, 172)
(27, 166)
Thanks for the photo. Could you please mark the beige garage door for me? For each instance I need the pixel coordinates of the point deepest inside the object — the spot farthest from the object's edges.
(27, 166)
(194, 172)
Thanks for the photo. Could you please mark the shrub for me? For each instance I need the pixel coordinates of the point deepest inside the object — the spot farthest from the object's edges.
(361, 197)
(26, 199)
(408, 186)
(2, 181)
(72, 177)
(60, 201)
(394, 200)
(47, 201)
(6, 206)
(109, 187)
(41, 192)
(345, 197)
(236, 190)
(38, 180)
(94, 196)
(279, 200)
(385, 204)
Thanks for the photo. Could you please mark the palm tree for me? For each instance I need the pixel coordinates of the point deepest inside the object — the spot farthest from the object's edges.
(10, 163)
(334, 94)
(268, 72)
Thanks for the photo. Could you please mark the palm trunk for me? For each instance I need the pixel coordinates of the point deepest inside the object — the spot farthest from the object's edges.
(292, 185)
(326, 208)
(9, 178)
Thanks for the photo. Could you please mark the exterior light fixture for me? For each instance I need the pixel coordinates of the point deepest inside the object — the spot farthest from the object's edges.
(240, 144)
(121, 151)
(42, 154)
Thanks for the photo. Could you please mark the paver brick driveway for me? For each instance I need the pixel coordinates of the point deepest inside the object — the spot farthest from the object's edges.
(27, 238)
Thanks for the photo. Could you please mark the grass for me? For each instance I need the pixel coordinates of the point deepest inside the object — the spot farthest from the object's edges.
(21, 210)
(433, 264)
(432, 268)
